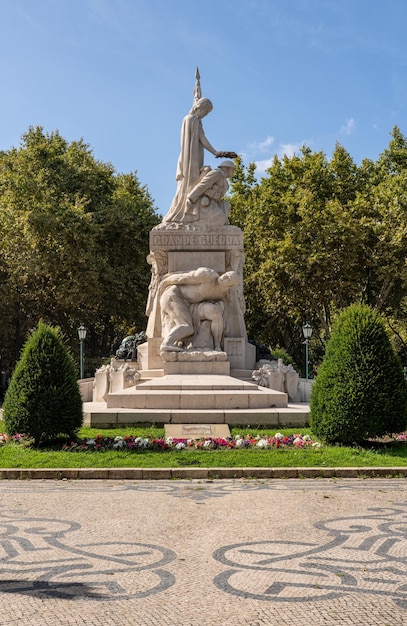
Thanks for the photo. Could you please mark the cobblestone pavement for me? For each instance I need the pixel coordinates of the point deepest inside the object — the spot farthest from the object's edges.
(204, 552)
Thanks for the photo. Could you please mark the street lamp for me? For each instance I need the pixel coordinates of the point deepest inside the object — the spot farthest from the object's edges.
(82, 337)
(307, 332)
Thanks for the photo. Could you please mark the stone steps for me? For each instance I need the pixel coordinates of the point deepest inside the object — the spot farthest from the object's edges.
(97, 415)
(199, 382)
(197, 399)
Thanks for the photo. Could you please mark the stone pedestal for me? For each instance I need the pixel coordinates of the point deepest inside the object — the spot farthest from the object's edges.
(184, 378)
(183, 249)
(196, 392)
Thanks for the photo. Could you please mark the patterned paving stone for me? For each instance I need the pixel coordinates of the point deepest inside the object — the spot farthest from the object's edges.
(204, 552)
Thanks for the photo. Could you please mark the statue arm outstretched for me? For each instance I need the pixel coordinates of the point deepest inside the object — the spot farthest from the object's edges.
(206, 144)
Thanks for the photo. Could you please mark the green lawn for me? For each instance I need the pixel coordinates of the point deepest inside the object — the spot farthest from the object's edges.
(21, 456)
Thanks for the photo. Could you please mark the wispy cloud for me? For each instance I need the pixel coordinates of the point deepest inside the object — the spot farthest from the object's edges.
(284, 150)
(264, 145)
(349, 127)
(260, 146)
(289, 149)
(262, 166)
(258, 152)
(262, 153)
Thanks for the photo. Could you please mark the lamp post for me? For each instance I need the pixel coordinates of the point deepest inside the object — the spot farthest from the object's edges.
(307, 332)
(82, 337)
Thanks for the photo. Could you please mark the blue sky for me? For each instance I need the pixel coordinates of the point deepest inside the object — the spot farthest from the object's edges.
(280, 73)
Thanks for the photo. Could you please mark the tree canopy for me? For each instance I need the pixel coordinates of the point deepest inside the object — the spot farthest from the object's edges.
(74, 241)
(320, 235)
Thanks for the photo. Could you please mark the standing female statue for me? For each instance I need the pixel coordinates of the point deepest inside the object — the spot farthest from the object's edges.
(191, 158)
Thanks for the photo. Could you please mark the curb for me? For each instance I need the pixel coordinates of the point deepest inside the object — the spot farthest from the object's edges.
(201, 473)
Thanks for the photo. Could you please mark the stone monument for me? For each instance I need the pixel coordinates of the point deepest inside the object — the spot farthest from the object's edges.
(196, 302)
(197, 364)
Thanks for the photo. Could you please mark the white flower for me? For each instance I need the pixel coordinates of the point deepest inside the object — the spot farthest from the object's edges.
(262, 443)
(180, 446)
(297, 440)
(239, 442)
(118, 444)
(168, 440)
(306, 438)
(91, 442)
(316, 444)
(278, 436)
(118, 438)
(207, 443)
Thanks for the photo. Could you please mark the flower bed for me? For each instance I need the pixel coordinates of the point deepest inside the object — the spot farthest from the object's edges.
(13, 439)
(101, 443)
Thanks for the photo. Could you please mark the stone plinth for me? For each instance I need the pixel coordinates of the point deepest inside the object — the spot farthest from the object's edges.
(196, 362)
(196, 392)
(192, 239)
(148, 354)
(98, 415)
(184, 248)
(217, 368)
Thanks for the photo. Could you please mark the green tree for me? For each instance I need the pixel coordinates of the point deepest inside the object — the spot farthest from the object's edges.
(360, 390)
(303, 244)
(43, 399)
(74, 241)
(393, 159)
(320, 235)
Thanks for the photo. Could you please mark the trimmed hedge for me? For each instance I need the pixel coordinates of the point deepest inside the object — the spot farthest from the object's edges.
(43, 398)
(360, 390)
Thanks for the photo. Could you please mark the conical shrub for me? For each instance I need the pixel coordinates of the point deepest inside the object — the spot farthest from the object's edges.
(43, 398)
(360, 390)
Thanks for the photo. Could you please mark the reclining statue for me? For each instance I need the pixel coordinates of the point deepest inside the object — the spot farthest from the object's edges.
(189, 298)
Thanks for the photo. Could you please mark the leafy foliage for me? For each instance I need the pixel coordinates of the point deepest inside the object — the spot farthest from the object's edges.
(280, 353)
(360, 390)
(43, 399)
(320, 235)
(74, 241)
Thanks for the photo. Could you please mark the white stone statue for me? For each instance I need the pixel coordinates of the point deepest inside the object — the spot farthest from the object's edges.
(113, 378)
(158, 260)
(101, 383)
(191, 158)
(280, 377)
(192, 308)
(205, 202)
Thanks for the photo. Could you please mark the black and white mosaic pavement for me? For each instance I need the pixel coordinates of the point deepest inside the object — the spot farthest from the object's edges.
(364, 554)
(39, 555)
(304, 551)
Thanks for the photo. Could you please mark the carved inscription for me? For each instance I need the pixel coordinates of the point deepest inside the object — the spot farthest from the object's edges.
(200, 429)
(182, 241)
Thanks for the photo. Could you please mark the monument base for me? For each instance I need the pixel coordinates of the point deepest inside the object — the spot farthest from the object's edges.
(97, 415)
(189, 392)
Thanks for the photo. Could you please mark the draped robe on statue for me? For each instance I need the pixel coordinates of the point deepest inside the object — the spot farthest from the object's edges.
(189, 167)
